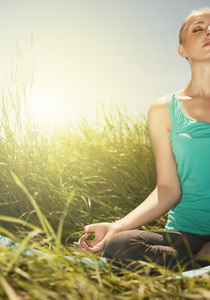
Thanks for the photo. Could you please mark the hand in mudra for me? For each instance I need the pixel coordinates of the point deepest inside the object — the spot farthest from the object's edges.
(103, 232)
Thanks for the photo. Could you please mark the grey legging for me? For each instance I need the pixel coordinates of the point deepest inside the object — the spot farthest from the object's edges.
(164, 248)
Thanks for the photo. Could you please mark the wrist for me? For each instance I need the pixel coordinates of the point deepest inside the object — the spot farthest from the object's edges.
(120, 225)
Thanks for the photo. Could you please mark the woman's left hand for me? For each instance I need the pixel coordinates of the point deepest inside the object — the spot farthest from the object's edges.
(205, 250)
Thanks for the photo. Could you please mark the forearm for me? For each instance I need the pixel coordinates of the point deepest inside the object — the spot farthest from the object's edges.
(160, 201)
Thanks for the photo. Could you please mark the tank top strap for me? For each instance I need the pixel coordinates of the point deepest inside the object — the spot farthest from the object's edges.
(174, 108)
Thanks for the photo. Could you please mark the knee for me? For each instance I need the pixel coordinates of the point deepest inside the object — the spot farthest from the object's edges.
(116, 245)
(124, 245)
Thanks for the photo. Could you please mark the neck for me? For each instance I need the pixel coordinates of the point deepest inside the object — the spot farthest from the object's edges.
(199, 84)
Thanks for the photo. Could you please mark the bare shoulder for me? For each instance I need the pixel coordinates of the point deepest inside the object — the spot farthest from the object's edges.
(159, 111)
(159, 104)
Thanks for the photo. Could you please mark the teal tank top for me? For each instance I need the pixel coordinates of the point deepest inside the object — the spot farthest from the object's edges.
(190, 142)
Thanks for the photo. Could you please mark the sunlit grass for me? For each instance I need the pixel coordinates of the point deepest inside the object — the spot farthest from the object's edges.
(54, 183)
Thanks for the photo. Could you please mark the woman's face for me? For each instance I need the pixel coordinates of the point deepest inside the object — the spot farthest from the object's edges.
(196, 37)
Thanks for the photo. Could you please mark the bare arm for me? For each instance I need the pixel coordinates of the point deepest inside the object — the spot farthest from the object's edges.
(165, 195)
(167, 192)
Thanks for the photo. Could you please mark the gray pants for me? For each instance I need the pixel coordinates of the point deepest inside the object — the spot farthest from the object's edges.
(167, 248)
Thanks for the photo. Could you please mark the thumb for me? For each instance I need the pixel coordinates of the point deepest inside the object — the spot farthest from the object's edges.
(99, 247)
(96, 248)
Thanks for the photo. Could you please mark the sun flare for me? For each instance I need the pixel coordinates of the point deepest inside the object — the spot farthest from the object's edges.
(43, 110)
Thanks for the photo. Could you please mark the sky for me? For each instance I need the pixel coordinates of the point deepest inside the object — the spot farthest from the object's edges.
(90, 53)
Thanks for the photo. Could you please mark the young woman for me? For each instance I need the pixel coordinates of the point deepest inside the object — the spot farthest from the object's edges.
(179, 126)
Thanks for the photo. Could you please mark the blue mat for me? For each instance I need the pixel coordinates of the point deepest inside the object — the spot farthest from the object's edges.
(91, 263)
(194, 273)
(86, 260)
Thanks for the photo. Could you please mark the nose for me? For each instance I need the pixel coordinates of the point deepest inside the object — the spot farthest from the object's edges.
(208, 30)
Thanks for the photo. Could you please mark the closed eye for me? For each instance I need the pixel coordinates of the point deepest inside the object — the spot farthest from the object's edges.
(197, 29)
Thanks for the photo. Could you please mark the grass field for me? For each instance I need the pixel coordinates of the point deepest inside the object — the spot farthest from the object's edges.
(54, 183)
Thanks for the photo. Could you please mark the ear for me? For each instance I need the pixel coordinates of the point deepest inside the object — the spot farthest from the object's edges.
(182, 51)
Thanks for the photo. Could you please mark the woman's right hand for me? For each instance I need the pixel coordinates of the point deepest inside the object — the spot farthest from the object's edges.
(103, 232)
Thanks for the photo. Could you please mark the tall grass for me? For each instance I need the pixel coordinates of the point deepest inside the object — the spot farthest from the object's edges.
(103, 170)
(54, 183)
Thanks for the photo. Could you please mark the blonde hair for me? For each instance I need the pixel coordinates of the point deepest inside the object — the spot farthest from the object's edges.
(193, 12)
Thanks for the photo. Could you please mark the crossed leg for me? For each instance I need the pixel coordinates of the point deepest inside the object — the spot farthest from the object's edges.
(167, 248)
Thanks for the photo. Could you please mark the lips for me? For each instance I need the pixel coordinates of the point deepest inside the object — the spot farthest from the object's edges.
(207, 44)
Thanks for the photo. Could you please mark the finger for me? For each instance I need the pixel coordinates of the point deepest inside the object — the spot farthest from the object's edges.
(89, 228)
(83, 238)
(91, 243)
(85, 247)
(98, 247)
(95, 249)
(79, 247)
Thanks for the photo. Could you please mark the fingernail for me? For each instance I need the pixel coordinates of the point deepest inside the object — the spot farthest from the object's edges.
(75, 245)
